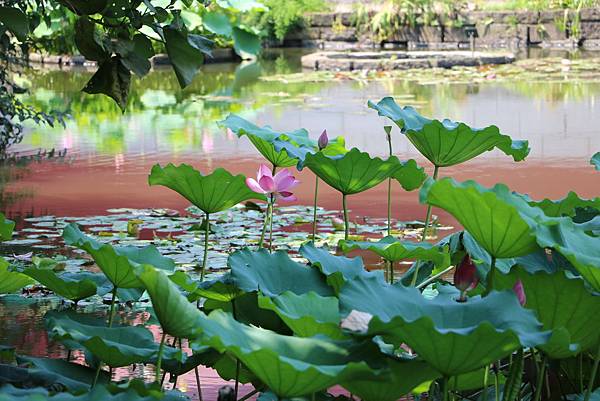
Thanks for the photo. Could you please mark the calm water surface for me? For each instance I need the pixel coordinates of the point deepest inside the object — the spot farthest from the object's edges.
(109, 154)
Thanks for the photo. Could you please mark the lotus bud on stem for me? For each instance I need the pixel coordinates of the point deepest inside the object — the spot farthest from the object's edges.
(465, 277)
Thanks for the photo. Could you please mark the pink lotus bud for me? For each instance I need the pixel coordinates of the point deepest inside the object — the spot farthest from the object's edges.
(465, 277)
(520, 291)
(323, 140)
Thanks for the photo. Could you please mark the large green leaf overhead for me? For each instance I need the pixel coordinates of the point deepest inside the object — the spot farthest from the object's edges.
(353, 172)
(211, 193)
(451, 336)
(446, 143)
(6, 228)
(563, 304)
(289, 366)
(394, 250)
(117, 263)
(11, 281)
(502, 223)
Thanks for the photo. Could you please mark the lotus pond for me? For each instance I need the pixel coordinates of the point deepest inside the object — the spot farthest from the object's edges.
(345, 253)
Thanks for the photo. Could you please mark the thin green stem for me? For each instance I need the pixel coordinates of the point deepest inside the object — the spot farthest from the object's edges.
(198, 384)
(205, 258)
(486, 373)
(346, 221)
(434, 277)
(111, 314)
(588, 392)
(581, 372)
(391, 263)
(271, 223)
(490, 278)
(160, 354)
(389, 194)
(265, 224)
(444, 388)
(496, 382)
(237, 361)
(540, 380)
(314, 227)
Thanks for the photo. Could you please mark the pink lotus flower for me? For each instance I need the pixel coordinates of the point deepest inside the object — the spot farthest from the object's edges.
(520, 291)
(465, 277)
(280, 185)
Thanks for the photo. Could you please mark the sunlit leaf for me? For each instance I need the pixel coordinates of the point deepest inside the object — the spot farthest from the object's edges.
(246, 44)
(566, 206)
(12, 281)
(446, 143)
(6, 228)
(73, 286)
(410, 175)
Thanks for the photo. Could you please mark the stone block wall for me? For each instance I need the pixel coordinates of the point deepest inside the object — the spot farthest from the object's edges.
(500, 29)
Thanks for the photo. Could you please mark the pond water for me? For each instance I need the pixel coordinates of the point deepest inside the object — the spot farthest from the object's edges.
(109, 154)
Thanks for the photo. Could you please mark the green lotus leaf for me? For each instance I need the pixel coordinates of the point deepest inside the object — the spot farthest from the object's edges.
(563, 304)
(263, 139)
(169, 304)
(394, 250)
(289, 366)
(116, 346)
(306, 315)
(501, 222)
(211, 193)
(220, 289)
(405, 376)
(595, 161)
(12, 281)
(572, 242)
(353, 172)
(567, 206)
(72, 376)
(73, 286)
(6, 228)
(452, 337)
(410, 175)
(446, 143)
(274, 273)
(337, 269)
(594, 396)
(117, 263)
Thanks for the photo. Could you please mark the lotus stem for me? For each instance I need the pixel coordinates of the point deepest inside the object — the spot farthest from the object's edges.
(271, 223)
(346, 222)
(540, 380)
(237, 360)
(264, 229)
(314, 227)
(486, 373)
(250, 394)
(434, 277)
(444, 388)
(490, 278)
(588, 392)
(496, 382)
(198, 385)
(205, 258)
(391, 263)
(389, 194)
(160, 353)
(111, 314)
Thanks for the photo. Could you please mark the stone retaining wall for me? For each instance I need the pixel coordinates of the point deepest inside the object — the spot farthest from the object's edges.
(336, 31)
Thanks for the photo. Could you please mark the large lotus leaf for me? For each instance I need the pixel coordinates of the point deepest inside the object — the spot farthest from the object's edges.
(410, 175)
(563, 304)
(572, 242)
(353, 172)
(175, 313)
(289, 366)
(11, 281)
(274, 273)
(394, 250)
(595, 161)
(220, 289)
(337, 269)
(306, 315)
(211, 193)
(446, 143)
(567, 206)
(405, 376)
(69, 285)
(116, 346)
(117, 263)
(264, 140)
(453, 337)
(6, 228)
(335, 147)
(501, 222)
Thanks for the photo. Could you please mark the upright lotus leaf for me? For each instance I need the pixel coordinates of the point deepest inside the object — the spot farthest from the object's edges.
(394, 250)
(116, 346)
(446, 143)
(12, 281)
(274, 273)
(563, 304)
(410, 175)
(177, 316)
(306, 315)
(595, 161)
(6, 228)
(335, 147)
(73, 286)
(220, 289)
(453, 337)
(117, 263)
(353, 172)
(211, 193)
(501, 222)
(289, 366)
(264, 140)
(337, 269)
(579, 248)
(567, 206)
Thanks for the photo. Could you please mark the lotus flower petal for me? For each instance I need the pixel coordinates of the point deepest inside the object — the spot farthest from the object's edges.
(267, 184)
(263, 171)
(253, 185)
(286, 197)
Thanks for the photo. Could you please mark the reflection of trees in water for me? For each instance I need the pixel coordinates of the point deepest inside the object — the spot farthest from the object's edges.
(555, 92)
